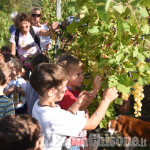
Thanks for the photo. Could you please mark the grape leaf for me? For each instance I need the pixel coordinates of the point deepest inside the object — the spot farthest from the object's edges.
(102, 13)
(143, 11)
(119, 101)
(122, 88)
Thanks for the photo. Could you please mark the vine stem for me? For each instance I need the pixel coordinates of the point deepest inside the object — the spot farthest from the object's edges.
(130, 7)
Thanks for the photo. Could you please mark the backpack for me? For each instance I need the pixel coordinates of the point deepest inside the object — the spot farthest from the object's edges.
(34, 36)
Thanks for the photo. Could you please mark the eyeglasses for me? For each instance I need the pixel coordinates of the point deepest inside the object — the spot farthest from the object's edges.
(36, 15)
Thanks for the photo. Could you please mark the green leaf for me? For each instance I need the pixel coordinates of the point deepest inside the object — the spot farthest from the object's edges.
(134, 2)
(119, 8)
(99, 1)
(94, 30)
(143, 11)
(119, 101)
(125, 80)
(119, 56)
(107, 4)
(108, 113)
(135, 52)
(120, 27)
(145, 29)
(102, 13)
(103, 124)
(140, 81)
(141, 57)
(122, 88)
(113, 81)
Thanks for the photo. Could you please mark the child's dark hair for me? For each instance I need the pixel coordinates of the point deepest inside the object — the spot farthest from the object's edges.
(37, 59)
(8, 57)
(46, 76)
(4, 73)
(68, 62)
(6, 49)
(19, 132)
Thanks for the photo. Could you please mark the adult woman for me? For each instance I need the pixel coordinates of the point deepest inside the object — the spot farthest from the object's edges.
(45, 42)
(26, 45)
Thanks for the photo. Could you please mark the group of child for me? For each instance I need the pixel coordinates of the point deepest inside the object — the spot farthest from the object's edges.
(52, 96)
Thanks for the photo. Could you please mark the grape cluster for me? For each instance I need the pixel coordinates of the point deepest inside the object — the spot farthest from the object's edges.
(138, 96)
(125, 97)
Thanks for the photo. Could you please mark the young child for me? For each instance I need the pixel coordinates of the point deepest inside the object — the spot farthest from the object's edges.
(20, 132)
(31, 95)
(16, 88)
(6, 104)
(50, 81)
(75, 70)
(5, 50)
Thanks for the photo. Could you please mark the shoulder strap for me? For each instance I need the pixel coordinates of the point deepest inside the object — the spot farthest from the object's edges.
(35, 37)
(17, 38)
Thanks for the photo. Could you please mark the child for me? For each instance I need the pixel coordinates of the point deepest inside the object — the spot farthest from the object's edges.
(50, 81)
(16, 88)
(6, 104)
(20, 132)
(31, 95)
(8, 57)
(5, 50)
(75, 70)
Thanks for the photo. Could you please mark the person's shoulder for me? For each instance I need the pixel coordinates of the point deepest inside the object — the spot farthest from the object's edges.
(5, 99)
(35, 28)
(43, 26)
(22, 80)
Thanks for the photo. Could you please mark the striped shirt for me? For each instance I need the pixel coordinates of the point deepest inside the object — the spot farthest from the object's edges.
(6, 106)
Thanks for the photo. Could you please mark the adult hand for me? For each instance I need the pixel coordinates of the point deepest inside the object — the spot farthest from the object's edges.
(55, 26)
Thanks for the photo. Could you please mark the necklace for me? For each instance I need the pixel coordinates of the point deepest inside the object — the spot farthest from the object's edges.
(72, 92)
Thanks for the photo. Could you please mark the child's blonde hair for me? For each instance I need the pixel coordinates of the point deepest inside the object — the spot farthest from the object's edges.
(15, 62)
(69, 62)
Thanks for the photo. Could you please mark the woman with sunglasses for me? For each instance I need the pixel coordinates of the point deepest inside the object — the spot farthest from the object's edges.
(26, 47)
(45, 41)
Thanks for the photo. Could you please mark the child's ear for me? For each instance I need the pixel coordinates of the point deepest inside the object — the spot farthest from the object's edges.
(50, 92)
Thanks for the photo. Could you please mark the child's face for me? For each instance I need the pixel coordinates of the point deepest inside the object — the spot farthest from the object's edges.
(60, 92)
(75, 77)
(14, 72)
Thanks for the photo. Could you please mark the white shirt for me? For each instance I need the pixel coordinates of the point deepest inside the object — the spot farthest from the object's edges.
(56, 124)
(21, 83)
(26, 44)
(44, 40)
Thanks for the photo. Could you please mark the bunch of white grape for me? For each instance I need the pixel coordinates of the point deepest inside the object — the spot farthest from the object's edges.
(138, 96)
(125, 97)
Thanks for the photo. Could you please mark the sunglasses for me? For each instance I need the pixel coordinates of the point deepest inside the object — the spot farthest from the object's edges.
(36, 15)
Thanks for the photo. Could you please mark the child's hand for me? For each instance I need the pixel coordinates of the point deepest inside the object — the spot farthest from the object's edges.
(12, 89)
(110, 94)
(97, 82)
(83, 97)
